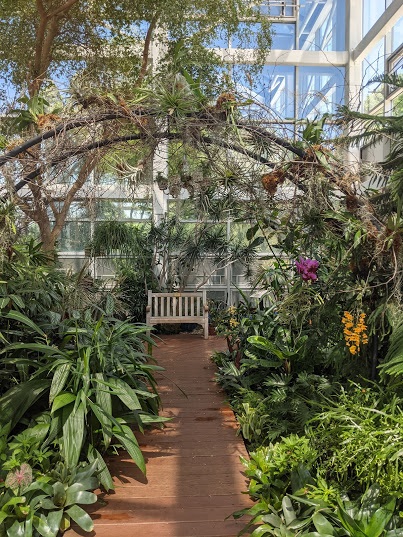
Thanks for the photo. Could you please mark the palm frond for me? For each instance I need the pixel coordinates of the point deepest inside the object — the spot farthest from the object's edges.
(393, 364)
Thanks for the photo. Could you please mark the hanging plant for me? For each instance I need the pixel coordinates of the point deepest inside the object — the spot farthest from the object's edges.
(161, 181)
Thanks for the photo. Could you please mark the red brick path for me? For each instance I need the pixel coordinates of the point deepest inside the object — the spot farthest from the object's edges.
(194, 478)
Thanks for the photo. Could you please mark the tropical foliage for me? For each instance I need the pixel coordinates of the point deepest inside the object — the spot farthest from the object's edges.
(317, 386)
(75, 381)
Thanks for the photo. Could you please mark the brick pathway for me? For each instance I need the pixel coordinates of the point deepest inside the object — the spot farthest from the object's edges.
(194, 478)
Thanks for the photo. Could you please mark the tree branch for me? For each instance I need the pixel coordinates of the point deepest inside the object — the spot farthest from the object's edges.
(39, 39)
(52, 133)
(146, 50)
(139, 136)
(63, 9)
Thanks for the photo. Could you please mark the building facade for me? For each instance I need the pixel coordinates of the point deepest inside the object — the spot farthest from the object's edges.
(324, 53)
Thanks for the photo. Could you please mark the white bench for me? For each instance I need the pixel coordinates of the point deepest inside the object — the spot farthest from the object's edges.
(177, 308)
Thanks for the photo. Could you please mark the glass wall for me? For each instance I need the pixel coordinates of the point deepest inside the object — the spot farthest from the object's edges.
(315, 25)
(82, 217)
(283, 36)
(320, 90)
(321, 25)
(373, 65)
(371, 11)
(274, 88)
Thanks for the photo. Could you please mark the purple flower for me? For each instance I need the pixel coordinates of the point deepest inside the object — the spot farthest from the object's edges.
(307, 269)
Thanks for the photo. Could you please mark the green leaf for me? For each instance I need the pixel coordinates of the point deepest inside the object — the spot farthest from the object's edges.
(79, 496)
(262, 530)
(41, 525)
(349, 523)
(251, 232)
(129, 442)
(21, 318)
(125, 393)
(59, 494)
(54, 519)
(73, 433)
(104, 400)
(80, 517)
(60, 376)
(317, 534)
(380, 518)
(17, 530)
(17, 300)
(34, 347)
(104, 475)
(261, 342)
(272, 519)
(62, 400)
(288, 510)
(4, 302)
(17, 400)
(322, 524)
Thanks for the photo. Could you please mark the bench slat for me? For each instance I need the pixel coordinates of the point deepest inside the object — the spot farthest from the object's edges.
(178, 308)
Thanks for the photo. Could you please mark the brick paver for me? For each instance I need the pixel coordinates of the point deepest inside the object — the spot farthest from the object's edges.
(194, 475)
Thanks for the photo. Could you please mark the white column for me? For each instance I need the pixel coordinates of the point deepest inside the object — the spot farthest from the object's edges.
(354, 70)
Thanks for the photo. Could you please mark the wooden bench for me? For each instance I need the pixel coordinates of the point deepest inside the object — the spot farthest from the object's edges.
(177, 308)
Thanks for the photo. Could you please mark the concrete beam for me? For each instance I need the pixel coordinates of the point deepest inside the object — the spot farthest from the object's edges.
(286, 57)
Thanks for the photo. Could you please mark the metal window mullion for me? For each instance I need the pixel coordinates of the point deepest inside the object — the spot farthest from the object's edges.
(296, 96)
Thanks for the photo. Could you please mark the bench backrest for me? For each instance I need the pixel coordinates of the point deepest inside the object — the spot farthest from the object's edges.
(177, 308)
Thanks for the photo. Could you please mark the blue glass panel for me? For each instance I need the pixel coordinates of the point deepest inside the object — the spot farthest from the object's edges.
(322, 25)
(371, 11)
(397, 34)
(247, 37)
(274, 88)
(321, 90)
(219, 39)
(283, 36)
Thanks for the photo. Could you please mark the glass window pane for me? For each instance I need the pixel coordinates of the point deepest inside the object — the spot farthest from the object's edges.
(397, 34)
(273, 87)
(74, 237)
(322, 25)
(78, 211)
(371, 11)
(247, 37)
(321, 90)
(137, 210)
(397, 105)
(218, 39)
(123, 210)
(283, 36)
(372, 65)
(73, 264)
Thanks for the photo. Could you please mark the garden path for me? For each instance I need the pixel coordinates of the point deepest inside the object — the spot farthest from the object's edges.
(194, 475)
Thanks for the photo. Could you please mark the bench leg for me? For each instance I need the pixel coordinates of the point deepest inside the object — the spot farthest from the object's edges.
(149, 345)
